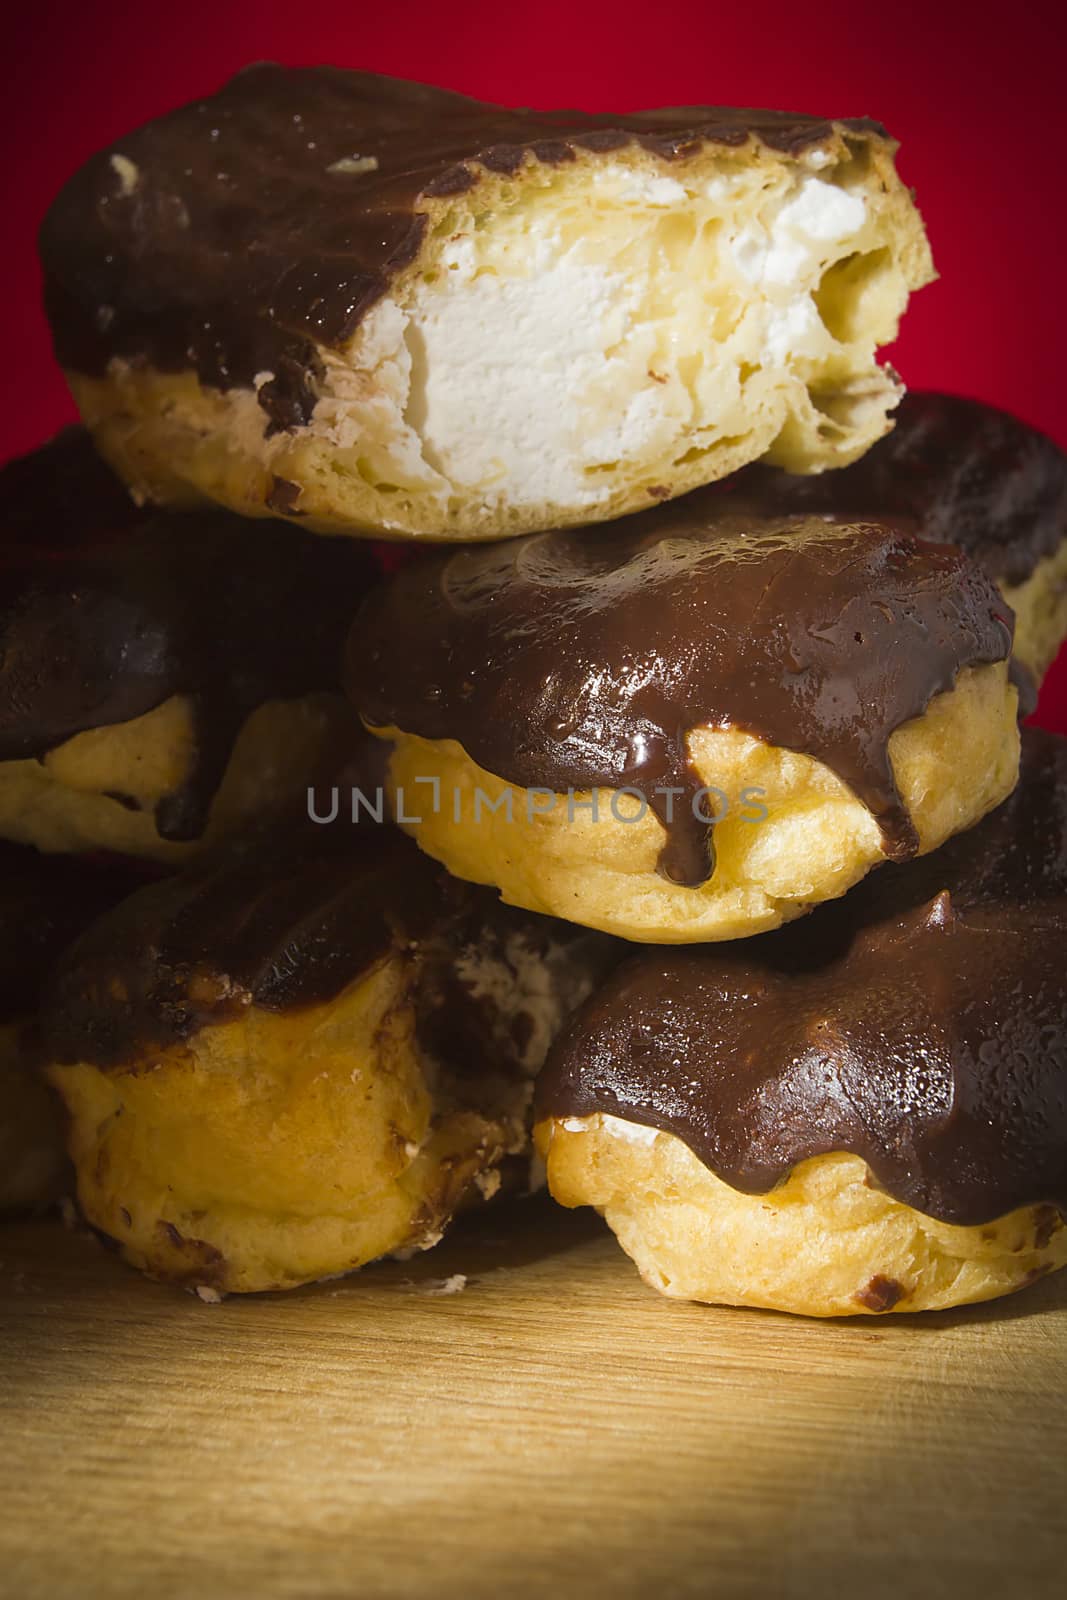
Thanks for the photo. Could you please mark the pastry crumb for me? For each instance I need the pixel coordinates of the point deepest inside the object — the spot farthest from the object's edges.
(487, 1183)
(453, 1285)
(351, 166)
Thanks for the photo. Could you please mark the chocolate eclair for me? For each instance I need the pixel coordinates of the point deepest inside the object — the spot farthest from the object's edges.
(961, 472)
(381, 307)
(867, 1113)
(688, 725)
(163, 677)
(305, 1051)
(45, 902)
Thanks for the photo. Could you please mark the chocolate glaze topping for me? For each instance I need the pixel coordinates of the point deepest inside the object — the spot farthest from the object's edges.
(45, 902)
(920, 1023)
(236, 234)
(963, 472)
(288, 919)
(107, 611)
(575, 660)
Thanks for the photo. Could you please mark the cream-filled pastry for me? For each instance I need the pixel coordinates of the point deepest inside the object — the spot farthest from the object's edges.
(164, 678)
(864, 1114)
(307, 1050)
(688, 725)
(386, 308)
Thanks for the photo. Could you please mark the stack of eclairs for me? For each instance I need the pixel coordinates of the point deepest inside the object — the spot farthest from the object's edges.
(665, 826)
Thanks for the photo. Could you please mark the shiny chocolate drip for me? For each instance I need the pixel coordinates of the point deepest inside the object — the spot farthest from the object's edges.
(237, 234)
(288, 918)
(920, 1023)
(107, 611)
(583, 659)
(965, 473)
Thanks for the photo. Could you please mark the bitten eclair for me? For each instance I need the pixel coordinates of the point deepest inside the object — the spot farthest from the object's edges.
(163, 678)
(382, 307)
(305, 1051)
(688, 725)
(864, 1114)
(962, 473)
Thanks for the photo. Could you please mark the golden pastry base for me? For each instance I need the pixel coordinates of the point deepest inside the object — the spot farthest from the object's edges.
(554, 1429)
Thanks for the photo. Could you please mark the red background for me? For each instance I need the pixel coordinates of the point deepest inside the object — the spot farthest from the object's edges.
(973, 93)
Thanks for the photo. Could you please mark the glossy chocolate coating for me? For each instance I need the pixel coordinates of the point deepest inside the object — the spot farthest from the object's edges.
(288, 919)
(920, 1023)
(238, 233)
(45, 903)
(107, 611)
(965, 473)
(583, 659)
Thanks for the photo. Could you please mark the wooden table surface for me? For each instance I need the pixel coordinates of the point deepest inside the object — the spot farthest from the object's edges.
(551, 1429)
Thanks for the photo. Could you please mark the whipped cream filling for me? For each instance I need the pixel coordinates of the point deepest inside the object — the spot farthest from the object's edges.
(572, 339)
(609, 326)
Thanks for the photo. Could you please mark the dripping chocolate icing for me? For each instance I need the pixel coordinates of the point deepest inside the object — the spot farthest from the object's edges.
(287, 918)
(920, 1023)
(241, 232)
(963, 472)
(106, 611)
(582, 659)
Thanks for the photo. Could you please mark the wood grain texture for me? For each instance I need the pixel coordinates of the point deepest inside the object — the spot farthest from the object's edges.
(555, 1429)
